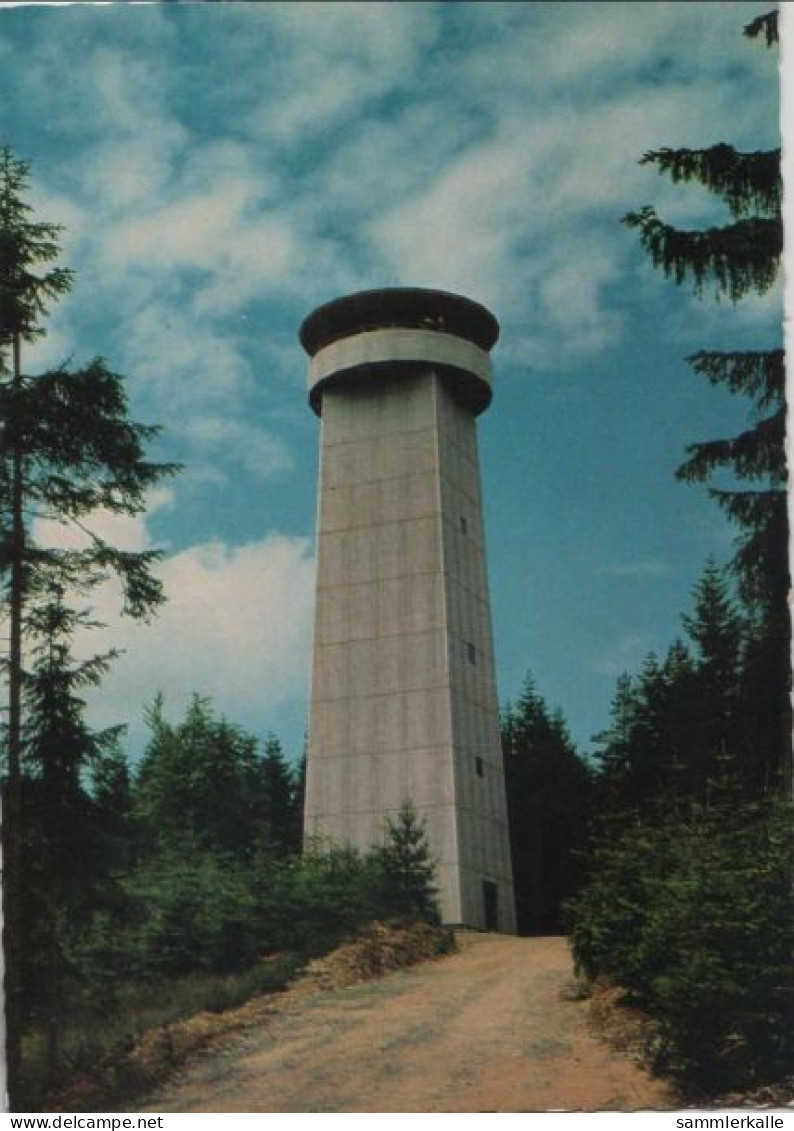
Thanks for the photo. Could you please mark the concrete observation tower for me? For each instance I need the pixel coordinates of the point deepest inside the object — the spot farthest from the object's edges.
(404, 702)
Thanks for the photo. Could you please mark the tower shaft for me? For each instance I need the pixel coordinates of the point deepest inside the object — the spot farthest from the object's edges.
(404, 704)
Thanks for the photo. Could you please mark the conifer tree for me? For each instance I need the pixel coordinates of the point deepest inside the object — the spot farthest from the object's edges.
(679, 724)
(68, 871)
(548, 795)
(281, 812)
(205, 784)
(739, 258)
(716, 733)
(26, 286)
(69, 451)
(687, 903)
(406, 868)
(615, 757)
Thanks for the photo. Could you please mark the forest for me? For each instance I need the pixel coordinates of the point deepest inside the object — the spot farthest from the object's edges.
(135, 893)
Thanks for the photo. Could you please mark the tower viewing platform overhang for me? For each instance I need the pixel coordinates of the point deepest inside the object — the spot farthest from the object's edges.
(360, 335)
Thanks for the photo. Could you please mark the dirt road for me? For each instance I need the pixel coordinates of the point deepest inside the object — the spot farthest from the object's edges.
(490, 1029)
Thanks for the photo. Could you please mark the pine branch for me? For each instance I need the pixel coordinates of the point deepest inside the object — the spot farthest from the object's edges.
(749, 183)
(752, 508)
(740, 258)
(766, 25)
(757, 374)
(24, 293)
(754, 454)
(761, 560)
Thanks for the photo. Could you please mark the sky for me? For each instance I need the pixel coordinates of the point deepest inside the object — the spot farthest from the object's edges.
(220, 169)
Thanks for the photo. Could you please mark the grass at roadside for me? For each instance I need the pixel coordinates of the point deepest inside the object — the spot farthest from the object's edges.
(105, 1059)
(110, 1064)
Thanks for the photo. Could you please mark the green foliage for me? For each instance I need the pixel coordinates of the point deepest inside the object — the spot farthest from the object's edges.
(70, 451)
(328, 893)
(191, 868)
(690, 910)
(767, 25)
(98, 1063)
(548, 797)
(749, 183)
(740, 258)
(678, 724)
(195, 913)
(737, 259)
(24, 247)
(282, 799)
(688, 903)
(63, 889)
(405, 869)
(205, 782)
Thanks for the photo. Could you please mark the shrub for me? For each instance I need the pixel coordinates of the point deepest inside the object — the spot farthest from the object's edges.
(692, 913)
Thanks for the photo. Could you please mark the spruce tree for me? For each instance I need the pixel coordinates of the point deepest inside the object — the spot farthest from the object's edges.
(680, 724)
(204, 784)
(716, 736)
(688, 899)
(69, 451)
(739, 258)
(280, 810)
(406, 868)
(68, 870)
(548, 798)
(26, 286)
(614, 759)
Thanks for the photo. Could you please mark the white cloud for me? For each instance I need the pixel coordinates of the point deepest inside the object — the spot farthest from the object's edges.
(457, 233)
(236, 627)
(382, 160)
(574, 311)
(260, 452)
(236, 624)
(490, 226)
(577, 54)
(131, 171)
(224, 233)
(125, 532)
(221, 168)
(185, 363)
(334, 60)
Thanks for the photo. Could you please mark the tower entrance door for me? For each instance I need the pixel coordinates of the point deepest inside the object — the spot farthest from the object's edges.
(490, 899)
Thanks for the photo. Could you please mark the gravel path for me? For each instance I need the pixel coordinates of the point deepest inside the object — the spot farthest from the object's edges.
(490, 1029)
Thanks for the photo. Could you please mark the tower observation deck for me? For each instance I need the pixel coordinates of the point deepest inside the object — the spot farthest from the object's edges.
(404, 703)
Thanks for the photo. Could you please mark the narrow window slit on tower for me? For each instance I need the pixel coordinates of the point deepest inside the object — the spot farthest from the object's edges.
(479, 767)
(471, 653)
(464, 526)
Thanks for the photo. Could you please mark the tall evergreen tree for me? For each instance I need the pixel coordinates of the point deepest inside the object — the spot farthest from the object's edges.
(716, 735)
(26, 286)
(679, 725)
(688, 900)
(739, 258)
(614, 759)
(548, 793)
(68, 872)
(69, 451)
(205, 784)
(282, 808)
(405, 868)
